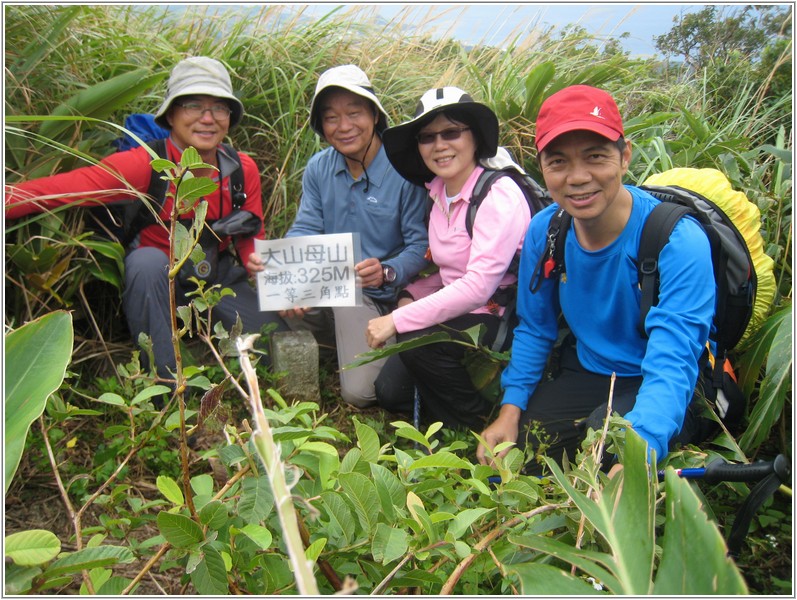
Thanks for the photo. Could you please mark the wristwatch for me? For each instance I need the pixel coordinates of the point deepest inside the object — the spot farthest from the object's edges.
(388, 274)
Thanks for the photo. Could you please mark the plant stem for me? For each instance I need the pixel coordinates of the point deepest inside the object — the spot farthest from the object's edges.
(270, 455)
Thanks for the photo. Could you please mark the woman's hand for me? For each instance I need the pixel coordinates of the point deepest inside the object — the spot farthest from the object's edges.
(379, 331)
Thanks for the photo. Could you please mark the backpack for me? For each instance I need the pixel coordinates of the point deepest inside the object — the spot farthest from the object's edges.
(502, 165)
(743, 272)
(137, 215)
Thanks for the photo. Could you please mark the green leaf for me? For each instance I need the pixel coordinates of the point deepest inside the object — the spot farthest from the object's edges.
(102, 99)
(32, 547)
(443, 459)
(112, 399)
(390, 490)
(463, 520)
(315, 549)
(418, 512)
(258, 534)
(538, 579)
(210, 576)
(341, 521)
(256, 500)
(367, 440)
(693, 553)
(362, 493)
(146, 394)
(389, 543)
(36, 357)
(214, 515)
(180, 531)
(89, 558)
(372, 355)
(170, 489)
(202, 485)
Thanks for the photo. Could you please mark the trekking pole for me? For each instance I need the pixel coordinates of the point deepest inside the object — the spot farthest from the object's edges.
(769, 475)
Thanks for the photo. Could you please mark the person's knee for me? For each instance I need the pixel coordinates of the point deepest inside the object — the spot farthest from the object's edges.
(359, 396)
(394, 388)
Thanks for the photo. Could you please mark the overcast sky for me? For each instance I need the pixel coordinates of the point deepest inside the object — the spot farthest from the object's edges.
(494, 22)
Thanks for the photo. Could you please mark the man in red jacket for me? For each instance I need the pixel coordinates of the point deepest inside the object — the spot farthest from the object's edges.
(199, 110)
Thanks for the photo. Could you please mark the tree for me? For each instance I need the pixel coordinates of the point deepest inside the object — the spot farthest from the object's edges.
(712, 35)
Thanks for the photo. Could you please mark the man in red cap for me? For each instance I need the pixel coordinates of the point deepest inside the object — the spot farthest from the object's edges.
(584, 155)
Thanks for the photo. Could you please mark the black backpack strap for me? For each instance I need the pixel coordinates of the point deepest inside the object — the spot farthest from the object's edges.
(237, 189)
(655, 235)
(483, 184)
(137, 215)
(552, 261)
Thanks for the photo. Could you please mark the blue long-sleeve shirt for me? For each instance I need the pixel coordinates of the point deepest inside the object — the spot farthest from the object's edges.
(390, 216)
(600, 299)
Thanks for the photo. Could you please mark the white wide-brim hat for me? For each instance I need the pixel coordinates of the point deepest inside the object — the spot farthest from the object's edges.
(401, 144)
(350, 78)
(199, 76)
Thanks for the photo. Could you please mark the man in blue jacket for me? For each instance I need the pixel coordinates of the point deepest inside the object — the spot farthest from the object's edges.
(583, 156)
(351, 187)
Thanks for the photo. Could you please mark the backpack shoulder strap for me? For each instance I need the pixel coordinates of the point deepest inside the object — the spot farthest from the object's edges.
(137, 216)
(552, 261)
(237, 190)
(655, 235)
(483, 185)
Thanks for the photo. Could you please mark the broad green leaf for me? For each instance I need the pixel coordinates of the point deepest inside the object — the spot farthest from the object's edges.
(362, 493)
(389, 543)
(202, 485)
(390, 489)
(102, 99)
(341, 521)
(32, 547)
(319, 448)
(315, 549)
(114, 587)
(693, 554)
(112, 399)
(170, 489)
(146, 394)
(463, 520)
(413, 434)
(367, 440)
(36, 357)
(418, 512)
(214, 515)
(258, 534)
(180, 531)
(256, 500)
(19, 580)
(210, 576)
(441, 459)
(372, 355)
(590, 562)
(89, 558)
(538, 579)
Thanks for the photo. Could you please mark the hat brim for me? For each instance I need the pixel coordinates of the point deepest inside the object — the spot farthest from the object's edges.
(602, 130)
(401, 144)
(236, 105)
(381, 123)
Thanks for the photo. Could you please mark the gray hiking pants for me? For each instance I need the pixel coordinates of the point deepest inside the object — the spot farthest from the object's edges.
(146, 302)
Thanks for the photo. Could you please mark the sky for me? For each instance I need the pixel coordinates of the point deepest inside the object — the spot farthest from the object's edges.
(494, 22)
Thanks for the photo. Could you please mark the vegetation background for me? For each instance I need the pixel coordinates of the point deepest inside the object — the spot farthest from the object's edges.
(720, 97)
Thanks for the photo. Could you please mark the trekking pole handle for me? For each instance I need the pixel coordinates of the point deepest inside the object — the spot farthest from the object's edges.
(719, 470)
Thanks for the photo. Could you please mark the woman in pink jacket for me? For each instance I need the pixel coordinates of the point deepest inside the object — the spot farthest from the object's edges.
(441, 148)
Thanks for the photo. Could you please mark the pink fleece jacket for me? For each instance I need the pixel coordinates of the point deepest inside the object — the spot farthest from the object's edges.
(470, 270)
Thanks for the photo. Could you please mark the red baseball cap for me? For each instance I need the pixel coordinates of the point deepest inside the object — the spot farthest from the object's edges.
(578, 107)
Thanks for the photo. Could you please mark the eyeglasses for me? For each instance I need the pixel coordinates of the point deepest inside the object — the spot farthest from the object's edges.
(220, 112)
(448, 135)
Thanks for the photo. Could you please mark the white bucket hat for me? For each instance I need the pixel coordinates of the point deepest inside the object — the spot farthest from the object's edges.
(352, 79)
(401, 144)
(200, 75)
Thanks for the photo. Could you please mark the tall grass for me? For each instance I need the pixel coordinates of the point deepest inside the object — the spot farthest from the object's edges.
(275, 53)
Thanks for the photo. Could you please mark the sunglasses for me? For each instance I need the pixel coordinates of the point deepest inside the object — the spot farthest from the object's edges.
(448, 135)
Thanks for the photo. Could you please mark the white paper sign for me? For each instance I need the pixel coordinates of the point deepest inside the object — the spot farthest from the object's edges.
(309, 271)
